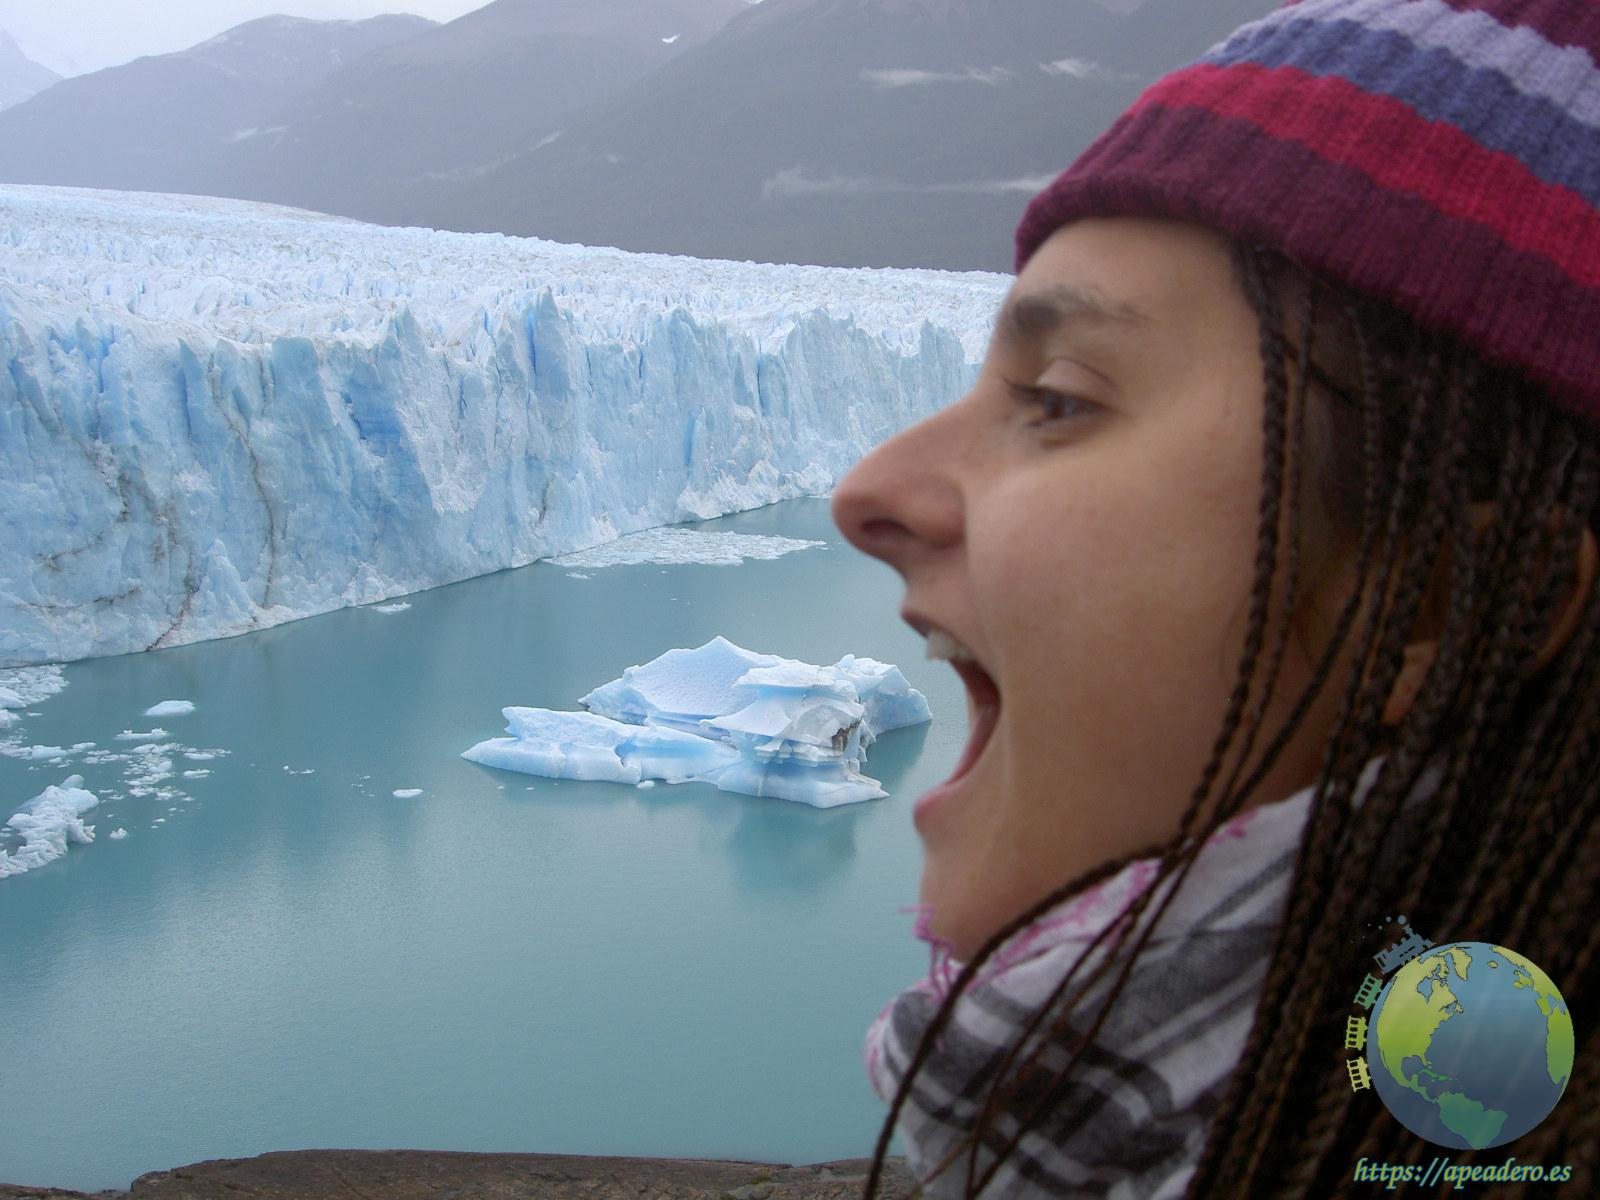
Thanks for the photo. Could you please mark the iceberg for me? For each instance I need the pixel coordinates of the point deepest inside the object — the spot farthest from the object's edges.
(170, 708)
(219, 415)
(721, 714)
(47, 823)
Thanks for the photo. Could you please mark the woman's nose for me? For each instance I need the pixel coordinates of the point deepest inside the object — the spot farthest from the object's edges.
(904, 499)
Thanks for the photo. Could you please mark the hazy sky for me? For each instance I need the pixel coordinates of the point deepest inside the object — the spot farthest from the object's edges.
(73, 36)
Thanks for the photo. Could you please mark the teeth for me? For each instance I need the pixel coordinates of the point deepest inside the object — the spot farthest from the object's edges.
(942, 646)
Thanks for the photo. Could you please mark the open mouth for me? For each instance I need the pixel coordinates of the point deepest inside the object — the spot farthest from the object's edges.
(983, 711)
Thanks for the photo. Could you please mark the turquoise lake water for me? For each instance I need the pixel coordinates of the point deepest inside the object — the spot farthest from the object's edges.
(294, 957)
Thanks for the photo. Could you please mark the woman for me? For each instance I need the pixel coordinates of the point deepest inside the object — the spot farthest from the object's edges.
(1264, 546)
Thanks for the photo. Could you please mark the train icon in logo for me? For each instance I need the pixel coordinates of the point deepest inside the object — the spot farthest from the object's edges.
(1469, 1045)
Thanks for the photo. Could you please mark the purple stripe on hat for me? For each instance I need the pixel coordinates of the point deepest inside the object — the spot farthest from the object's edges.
(1482, 102)
(1567, 75)
(1456, 275)
(1564, 22)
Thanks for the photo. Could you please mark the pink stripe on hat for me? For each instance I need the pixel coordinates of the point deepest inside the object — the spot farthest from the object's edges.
(1351, 180)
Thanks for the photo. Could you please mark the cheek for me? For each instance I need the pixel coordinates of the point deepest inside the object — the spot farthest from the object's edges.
(1165, 558)
(1118, 608)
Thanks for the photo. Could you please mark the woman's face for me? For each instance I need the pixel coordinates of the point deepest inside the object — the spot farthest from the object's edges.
(1084, 522)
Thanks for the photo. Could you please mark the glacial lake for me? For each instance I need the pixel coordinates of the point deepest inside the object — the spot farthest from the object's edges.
(283, 954)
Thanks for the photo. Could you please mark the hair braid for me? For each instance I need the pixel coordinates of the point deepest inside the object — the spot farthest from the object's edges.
(1285, 982)
(1317, 1126)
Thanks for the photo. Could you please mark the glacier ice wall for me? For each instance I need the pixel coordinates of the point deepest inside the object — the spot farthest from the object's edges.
(217, 416)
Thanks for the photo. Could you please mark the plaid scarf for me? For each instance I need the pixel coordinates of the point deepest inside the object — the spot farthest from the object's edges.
(1134, 1117)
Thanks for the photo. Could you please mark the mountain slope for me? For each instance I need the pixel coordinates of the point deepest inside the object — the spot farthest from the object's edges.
(20, 76)
(860, 132)
(379, 139)
(158, 123)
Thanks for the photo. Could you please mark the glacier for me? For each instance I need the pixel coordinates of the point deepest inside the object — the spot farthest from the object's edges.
(218, 415)
(746, 722)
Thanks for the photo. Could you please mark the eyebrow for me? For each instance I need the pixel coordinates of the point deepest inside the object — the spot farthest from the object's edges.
(1036, 313)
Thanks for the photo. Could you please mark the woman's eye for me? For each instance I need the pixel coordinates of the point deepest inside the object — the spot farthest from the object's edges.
(1050, 404)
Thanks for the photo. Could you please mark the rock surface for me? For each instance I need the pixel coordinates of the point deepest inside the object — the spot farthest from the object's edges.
(438, 1175)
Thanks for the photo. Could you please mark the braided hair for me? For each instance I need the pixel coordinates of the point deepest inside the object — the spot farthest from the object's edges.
(1383, 440)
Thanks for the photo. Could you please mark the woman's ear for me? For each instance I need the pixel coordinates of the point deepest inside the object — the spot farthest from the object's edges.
(1567, 619)
(1414, 667)
(1419, 655)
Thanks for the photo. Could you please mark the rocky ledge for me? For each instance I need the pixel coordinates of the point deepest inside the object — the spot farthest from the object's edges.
(437, 1175)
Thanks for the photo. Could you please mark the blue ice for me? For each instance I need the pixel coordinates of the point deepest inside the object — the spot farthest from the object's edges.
(747, 722)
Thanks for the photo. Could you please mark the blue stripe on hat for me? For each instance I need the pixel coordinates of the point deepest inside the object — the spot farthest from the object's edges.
(1565, 74)
(1436, 83)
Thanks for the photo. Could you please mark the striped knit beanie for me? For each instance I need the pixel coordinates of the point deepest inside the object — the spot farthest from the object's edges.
(1443, 155)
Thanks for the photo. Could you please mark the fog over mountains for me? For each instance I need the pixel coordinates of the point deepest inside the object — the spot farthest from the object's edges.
(839, 132)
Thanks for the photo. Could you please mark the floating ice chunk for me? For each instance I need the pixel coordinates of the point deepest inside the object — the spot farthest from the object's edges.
(47, 823)
(747, 722)
(147, 766)
(128, 735)
(670, 545)
(9, 698)
(406, 793)
(38, 752)
(170, 708)
(399, 607)
(117, 834)
(200, 774)
(32, 685)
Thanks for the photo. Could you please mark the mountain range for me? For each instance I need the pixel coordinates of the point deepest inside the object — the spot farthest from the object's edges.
(158, 123)
(840, 132)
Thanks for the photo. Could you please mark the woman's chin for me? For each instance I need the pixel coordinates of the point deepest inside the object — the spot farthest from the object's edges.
(951, 922)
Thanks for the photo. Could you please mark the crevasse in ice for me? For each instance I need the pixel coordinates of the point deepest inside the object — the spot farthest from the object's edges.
(747, 722)
(218, 416)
